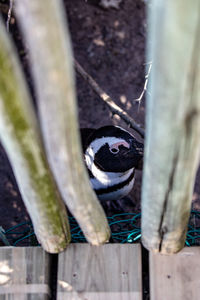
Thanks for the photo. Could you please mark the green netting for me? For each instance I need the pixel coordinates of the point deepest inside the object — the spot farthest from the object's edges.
(125, 228)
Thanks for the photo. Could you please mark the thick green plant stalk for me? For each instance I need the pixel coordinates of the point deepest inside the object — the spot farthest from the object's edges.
(44, 26)
(20, 136)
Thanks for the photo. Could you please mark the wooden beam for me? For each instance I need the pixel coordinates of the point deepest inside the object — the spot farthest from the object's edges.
(111, 271)
(172, 145)
(45, 30)
(20, 136)
(175, 276)
(24, 273)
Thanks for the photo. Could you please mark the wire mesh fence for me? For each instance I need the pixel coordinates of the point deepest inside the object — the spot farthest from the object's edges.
(125, 228)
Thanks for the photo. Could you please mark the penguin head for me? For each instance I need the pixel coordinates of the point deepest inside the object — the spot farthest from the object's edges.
(113, 149)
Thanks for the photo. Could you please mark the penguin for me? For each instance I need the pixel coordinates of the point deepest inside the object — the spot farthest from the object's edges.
(111, 155)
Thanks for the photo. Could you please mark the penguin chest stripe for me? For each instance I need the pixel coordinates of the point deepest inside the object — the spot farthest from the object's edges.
(115, 187)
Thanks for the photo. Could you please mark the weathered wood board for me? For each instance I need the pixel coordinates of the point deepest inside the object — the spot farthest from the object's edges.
(172, 144)
(51, 62)
(24, 273)
(111, 271)
(176, 276)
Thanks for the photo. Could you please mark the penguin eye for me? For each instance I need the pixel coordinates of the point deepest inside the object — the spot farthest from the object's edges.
(114, 150)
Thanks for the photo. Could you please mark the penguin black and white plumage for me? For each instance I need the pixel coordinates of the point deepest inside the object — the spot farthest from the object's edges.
(111, 155)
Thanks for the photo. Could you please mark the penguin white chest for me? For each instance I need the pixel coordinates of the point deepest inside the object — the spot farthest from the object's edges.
(112, 186)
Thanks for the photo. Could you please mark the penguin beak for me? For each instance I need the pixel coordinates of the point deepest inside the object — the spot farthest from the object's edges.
(138, 153)
(137, 147)
(140, 164)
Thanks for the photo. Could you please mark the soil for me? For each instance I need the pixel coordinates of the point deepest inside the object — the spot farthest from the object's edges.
(110, 45)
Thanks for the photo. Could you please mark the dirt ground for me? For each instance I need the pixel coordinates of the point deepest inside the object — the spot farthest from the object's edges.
(110, 45)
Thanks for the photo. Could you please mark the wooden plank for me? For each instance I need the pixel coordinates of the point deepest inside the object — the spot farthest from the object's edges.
(24, 273)
(172, 144)
(111, 271)
(176, 276)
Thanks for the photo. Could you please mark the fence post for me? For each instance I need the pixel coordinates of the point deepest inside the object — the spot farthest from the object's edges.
(173, 123)
(20, 136)
(45, 30)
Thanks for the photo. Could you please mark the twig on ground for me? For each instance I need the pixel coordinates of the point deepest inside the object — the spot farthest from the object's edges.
(145, 84)
(115, 109)
(9, 14)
